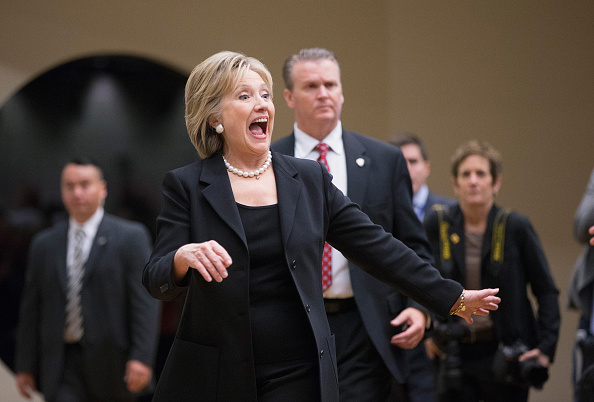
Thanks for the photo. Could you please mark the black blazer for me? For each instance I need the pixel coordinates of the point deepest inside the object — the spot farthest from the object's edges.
(524, 264)
(120, 318)
(212, 354)
(378, 181)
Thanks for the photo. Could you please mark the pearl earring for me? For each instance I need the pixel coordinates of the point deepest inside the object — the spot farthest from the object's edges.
(219, 129)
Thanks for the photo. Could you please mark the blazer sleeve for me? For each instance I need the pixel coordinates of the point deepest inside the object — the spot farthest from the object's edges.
(173, 228)
(377, 252)
(584, 216)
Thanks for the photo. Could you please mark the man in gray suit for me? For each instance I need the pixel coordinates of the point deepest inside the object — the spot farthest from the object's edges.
(581, 297)
(372, 322)
(88, 328)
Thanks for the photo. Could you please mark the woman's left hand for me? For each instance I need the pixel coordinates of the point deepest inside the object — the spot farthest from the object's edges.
(478, 302)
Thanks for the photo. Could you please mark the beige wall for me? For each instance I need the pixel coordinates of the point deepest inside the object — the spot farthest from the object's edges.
(519, 74)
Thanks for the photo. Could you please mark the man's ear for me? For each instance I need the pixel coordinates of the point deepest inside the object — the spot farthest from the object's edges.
(289, 98)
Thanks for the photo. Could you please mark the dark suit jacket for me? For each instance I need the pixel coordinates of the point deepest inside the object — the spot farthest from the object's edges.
(433, 199)
(212, 355)
(382, 189)
(524, 264)
(120, 318)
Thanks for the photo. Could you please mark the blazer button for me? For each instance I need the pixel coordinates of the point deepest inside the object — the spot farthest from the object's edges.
(294, 264)
(321, 353)
(307, 308)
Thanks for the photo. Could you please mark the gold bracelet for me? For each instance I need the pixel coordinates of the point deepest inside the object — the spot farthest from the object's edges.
(461, 307)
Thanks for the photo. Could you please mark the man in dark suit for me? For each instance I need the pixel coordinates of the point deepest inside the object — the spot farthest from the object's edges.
(419, 167)
(88, 328)
(364, 313)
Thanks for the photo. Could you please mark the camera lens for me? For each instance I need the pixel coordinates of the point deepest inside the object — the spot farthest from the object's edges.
(533, 373)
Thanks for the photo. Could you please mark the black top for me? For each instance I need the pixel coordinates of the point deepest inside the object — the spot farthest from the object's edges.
(280, 329)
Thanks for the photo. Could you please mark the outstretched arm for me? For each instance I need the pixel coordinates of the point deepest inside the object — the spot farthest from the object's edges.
(477, 302)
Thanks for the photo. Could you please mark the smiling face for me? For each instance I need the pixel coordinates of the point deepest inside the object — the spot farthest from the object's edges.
(316, 97)
(248, 118)
(474, 184)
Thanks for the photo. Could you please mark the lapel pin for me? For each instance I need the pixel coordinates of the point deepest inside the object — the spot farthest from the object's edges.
(360, 162)
(455, 238)
(101, 241)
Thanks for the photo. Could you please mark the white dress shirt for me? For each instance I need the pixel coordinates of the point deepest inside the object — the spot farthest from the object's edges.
(90, 228)
(304, 148)
(420, 200)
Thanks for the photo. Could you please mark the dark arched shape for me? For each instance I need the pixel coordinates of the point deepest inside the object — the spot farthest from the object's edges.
(126, 112)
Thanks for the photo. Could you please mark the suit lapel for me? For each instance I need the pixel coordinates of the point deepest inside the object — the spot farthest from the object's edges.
(288, 191)
(61, 263)
(285, 145)
(97, 248)
(358, 165)
(219, 194)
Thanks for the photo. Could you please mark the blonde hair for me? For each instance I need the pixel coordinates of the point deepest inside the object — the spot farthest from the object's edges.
(208, 84)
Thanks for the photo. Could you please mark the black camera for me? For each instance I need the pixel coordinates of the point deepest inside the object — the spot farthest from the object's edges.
(447, 336)
(508, 369)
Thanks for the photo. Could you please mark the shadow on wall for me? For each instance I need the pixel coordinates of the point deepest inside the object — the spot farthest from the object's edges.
(125, 112)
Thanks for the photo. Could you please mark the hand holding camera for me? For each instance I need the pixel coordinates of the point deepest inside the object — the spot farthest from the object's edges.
(516, 364)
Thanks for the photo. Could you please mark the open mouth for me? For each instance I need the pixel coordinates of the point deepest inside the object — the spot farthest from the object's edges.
(259, 126)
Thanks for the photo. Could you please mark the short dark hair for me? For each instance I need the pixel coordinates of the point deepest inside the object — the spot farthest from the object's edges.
(480, 148)
(410, 139)
(311, 54)
(85, 161)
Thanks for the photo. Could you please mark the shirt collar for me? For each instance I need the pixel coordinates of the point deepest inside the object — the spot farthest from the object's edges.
(420, 198)
(305, 144)
(90, 226)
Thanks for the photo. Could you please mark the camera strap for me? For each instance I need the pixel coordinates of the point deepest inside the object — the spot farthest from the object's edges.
(445, 248)
(497, 241)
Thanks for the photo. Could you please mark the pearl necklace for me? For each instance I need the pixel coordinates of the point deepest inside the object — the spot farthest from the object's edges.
(256, 173)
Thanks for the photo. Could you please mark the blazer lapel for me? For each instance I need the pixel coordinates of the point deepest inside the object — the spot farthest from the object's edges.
(219, 194)
(358, 165)
(288, 189)
(286, 145)
(62, 262)
(99, 243)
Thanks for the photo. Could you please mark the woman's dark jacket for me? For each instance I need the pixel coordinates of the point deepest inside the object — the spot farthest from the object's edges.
(524, 265)
(212, 358)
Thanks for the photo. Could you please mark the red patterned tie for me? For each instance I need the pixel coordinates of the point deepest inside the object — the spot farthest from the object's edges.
(327, 256)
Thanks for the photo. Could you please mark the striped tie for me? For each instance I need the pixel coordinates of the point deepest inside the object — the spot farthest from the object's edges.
(322, 148)
(73, 330)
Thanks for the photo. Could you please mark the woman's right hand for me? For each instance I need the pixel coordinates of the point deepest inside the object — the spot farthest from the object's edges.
(478, 302)
(208, 258)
